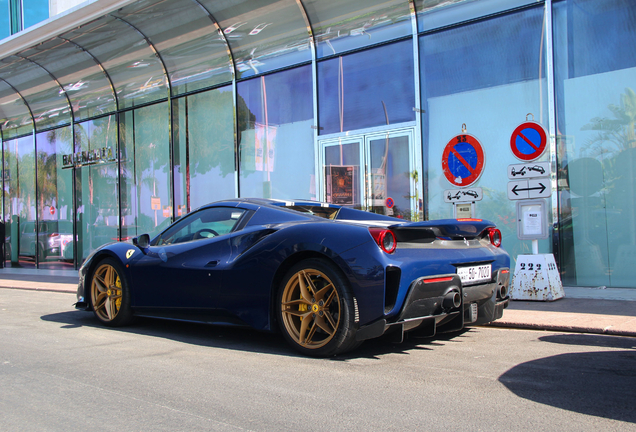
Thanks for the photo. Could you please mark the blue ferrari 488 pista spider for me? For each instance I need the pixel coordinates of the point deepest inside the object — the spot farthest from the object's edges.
(329, 277)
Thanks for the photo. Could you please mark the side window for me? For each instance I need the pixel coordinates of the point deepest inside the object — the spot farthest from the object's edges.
(206, 223)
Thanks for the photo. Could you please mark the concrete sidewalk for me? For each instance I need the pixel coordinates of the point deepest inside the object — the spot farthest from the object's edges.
(609, 311)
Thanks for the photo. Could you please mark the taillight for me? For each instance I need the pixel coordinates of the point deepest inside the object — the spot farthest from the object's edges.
(495, 236)
(384, 238)
(54, 234)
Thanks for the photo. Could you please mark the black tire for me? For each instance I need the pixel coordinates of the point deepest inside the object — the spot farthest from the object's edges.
(315, 309)
(109, 294)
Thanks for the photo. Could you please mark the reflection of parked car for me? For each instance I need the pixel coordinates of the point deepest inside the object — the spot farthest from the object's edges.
(328, 276)
(53, 239)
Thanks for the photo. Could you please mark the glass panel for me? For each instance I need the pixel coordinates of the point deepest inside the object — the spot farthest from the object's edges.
(5, 23)
(390, 175)
(195, 55)
(596, 114)
(34, 11)
(342, 173)
(19, 202)
(276, 139)
(15, 118)
(432, 14)
(344, 25)
(96, 184)
(85, 83)
(145, 171)
(370, 88)
(135, 70)
(49, 105)
(488, 75)
(55, 199)
(264, 35)
(204, 142)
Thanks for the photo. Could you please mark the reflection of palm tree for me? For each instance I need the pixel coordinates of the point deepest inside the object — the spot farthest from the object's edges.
(615, 134)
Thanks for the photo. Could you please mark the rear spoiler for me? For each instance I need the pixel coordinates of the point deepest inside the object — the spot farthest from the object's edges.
(445, 229)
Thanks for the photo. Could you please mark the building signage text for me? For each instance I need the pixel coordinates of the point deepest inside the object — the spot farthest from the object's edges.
(91, 157)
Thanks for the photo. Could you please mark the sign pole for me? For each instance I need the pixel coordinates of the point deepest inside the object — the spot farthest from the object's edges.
(536, 276)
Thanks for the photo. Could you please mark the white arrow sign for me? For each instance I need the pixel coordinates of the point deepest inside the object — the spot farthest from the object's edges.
(528, 170)
(526, 189)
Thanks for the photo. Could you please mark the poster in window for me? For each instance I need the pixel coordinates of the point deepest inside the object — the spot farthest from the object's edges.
(340, 181)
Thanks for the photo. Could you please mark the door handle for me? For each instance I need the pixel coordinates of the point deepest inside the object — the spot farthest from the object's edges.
(213, 263)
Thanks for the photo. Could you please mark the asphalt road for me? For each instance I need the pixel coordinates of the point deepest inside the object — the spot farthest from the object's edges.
(61, 371)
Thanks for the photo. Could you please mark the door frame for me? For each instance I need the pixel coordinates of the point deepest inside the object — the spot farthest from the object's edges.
(364, 137)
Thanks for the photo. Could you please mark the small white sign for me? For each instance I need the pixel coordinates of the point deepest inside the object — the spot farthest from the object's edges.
(528, 170)
(531, 220)
(463, 195)
(527, 189)
(463, 210)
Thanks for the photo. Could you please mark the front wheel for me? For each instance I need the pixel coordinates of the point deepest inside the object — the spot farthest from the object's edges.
(110, 295)
(315, 309)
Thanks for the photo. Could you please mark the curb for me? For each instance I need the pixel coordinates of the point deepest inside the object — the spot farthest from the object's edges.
(48, 289)
(564, 328)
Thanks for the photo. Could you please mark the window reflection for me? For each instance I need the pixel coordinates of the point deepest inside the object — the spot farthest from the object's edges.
(195, 54)
(96, 187)
(264, 35)
(19, 202)
(145, 174)
(55, 199)
(50, 107)
(204, 149)
(15, 118)
(275, 118)
(344, 25)
(596, 114)
(366, 89)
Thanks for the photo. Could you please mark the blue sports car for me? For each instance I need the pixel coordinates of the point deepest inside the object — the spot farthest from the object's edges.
(329, 277)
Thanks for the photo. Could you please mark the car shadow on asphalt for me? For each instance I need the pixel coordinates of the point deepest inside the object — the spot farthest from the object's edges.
(598, 383)
(244, 339)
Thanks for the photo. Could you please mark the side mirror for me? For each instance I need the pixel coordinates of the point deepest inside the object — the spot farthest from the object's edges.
(142, 242)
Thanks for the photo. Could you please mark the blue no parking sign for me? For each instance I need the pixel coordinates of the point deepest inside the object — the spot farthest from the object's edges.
(463, 160)
(528, 141)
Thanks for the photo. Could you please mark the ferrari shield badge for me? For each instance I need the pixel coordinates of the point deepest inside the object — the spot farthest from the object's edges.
(129, 253)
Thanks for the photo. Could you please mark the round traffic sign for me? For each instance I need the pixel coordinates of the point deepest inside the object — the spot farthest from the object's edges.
(389, 202)
(463, 160)
(528, 141)
(52, 210)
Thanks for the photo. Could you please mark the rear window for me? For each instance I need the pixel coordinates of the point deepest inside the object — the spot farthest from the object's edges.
(323, 212)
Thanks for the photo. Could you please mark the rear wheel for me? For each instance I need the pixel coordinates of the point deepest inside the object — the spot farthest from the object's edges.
(110, 295)
(315, 309)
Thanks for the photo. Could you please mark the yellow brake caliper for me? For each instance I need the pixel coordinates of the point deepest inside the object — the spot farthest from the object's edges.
(118, 285)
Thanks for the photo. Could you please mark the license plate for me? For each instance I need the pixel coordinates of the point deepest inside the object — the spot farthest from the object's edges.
(475, 274)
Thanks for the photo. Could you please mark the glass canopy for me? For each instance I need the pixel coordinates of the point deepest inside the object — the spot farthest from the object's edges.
(150, 50)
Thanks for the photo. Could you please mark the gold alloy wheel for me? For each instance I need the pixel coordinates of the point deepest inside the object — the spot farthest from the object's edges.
(310, 308)
(106, 292)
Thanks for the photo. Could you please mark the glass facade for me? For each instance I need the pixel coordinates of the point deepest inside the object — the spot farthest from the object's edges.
(54, 199)
(146, 199)
(595, 73)
(276, 139)
(203, 139)
(127, 122)
(20, 216)
(469, 77)
(96, 185)
(368, 88)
